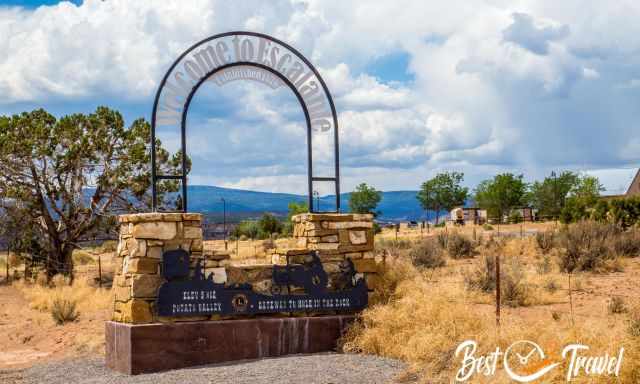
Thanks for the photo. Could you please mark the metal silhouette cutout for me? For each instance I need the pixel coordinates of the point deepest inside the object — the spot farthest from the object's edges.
(183, 295)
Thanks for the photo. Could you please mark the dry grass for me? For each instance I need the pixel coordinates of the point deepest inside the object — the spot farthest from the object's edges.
(423, 323)
(419, 325)
(427, 313)
(82, 257)
(87, 298)
(396, 270)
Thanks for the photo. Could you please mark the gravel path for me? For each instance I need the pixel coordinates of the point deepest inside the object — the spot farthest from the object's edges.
(307, 369)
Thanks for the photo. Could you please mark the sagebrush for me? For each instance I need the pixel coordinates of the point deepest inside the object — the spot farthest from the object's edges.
(64, 311)
(428, 254)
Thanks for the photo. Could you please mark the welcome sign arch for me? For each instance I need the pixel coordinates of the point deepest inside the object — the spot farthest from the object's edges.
(250, 56)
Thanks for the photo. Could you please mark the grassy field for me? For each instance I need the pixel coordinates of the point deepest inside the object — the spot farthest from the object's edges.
(437, 290)
(424, 313)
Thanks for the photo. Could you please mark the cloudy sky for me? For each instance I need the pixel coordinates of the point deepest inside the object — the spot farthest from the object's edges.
(420, 86)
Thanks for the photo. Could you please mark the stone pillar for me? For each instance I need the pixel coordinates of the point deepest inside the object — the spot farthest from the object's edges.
(336, 237)
(143, 239)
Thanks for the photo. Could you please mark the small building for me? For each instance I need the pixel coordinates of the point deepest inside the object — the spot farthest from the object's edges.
(468, 215)
(634, 188)
(526, 213)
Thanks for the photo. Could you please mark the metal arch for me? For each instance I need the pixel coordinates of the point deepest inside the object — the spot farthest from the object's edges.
(155, 178)
(283, 78)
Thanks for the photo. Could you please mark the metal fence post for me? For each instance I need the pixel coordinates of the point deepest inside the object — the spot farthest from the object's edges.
(498, 289)
(573, 324)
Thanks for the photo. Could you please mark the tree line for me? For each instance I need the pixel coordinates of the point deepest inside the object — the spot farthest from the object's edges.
(568, 196)
(364, 199)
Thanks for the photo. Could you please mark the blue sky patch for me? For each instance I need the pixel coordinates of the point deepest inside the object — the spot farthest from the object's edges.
(391, 67)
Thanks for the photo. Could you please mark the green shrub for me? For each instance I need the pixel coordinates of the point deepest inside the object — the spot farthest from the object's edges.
(267, 225)
(513, 287)
(515, 217)
(63, 311)
(427, 254)
(108, 246)
(443, 239)
(483, 276)
(246, 228)
(616, 305)
(545, 240)
(81, 257)
(625, 212)
(544, 266)
(634, 322)
(487, 227)
(627, 244)
(551, 286)
(586, 246)
(459, 246)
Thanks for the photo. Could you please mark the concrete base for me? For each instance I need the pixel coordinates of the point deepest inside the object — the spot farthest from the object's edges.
(145, 348)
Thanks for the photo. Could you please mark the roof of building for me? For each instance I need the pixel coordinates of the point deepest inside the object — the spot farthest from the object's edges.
(634, 187)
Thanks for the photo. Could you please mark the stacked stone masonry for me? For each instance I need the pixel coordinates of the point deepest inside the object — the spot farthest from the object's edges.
(144, 237)
(336, 237)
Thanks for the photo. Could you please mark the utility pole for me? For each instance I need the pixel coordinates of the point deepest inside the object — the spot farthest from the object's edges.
(556, 206)
(317, 196)
(224, 221)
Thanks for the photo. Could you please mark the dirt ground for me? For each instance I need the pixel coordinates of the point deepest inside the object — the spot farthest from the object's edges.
(29, 336)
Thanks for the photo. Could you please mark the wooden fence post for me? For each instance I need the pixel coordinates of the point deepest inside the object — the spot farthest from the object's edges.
(99, 272)
(7, 266)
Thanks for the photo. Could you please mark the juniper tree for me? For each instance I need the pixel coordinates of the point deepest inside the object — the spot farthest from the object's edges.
(72, 174)
(444, 191)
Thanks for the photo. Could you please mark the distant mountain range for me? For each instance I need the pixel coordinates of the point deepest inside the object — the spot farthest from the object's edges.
(394, 206)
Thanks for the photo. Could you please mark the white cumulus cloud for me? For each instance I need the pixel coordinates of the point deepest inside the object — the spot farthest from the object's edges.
(525, 86)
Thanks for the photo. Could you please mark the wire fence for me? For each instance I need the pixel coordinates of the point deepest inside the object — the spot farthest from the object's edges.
(554, 308)
(571, 294)
(565, 298)
(98, 270)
